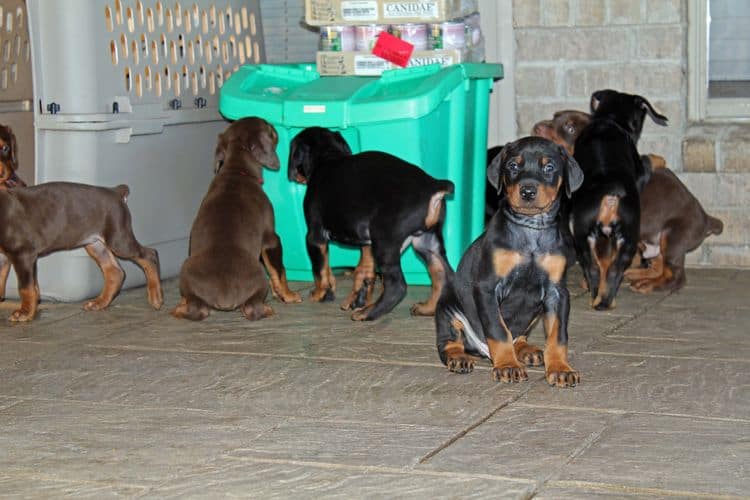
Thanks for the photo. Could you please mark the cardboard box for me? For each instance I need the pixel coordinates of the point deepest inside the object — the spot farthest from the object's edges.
(352, 12)
(368, 64)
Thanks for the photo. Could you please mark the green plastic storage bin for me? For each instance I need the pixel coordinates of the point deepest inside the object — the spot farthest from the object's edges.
(433, 117)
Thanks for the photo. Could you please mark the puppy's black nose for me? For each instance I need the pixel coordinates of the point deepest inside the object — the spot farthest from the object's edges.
(528, 192)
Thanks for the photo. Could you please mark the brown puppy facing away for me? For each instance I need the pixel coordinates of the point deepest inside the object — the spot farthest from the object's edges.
(36, 221)
(234, 229)
(673, 222)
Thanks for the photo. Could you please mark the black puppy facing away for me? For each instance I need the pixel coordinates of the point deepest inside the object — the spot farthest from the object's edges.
(606, 210)
(514, 273)
(377, 202)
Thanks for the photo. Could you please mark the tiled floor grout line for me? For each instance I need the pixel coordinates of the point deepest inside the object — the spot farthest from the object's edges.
(639, 490)
(615, 411)
(48, 477)
(473, 426)
(587, 443)
(300, 357)
(368, 469)
(665, 356)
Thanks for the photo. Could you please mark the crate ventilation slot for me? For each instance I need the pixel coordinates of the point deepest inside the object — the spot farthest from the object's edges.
(181, 48)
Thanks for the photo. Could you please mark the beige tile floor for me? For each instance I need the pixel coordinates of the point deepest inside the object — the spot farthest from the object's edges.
(308, 404)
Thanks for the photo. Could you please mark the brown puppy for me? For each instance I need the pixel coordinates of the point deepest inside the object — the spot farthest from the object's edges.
(36, 221)
(9, 159)
(673, 221)
(563, 128)
(234, 229)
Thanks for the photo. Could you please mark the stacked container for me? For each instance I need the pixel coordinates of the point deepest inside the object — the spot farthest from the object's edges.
(125, 91)
(442, 31)
(434, 117)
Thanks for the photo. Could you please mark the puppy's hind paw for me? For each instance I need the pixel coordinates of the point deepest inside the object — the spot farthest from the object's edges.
(322, 295)
(95, 305)
(423, 309)
(21, 316)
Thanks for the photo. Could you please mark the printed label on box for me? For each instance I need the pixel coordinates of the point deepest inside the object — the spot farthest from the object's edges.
(368, 65)
(442, 59)
(359, 10)
(400, 10)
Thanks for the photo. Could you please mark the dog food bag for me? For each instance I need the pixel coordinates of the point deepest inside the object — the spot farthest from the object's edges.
(337, 38)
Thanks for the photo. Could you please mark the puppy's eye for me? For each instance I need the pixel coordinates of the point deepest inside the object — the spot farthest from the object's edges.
(548, 168)
(512, 166)
(5, 149)
(570, 129)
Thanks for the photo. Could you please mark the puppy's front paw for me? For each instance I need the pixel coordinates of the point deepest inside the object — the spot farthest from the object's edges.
(562, 376)
(461, 364)
(21, 315)
(509, 374)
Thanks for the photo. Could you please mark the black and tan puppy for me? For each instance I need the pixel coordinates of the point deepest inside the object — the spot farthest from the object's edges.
(377, 202)
(514, 273)
(36, 221)
(606, 210)
(234, 230)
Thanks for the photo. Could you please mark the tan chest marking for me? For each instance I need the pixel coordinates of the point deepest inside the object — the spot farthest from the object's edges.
(553, 265)
(504, 261)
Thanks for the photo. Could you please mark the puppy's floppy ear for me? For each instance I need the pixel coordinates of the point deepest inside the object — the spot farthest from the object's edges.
(544, 128)
(573, 172)
(264, 150)
(300, 161)
(220, 153)
(596, 99)
(341, 143)
(13, 149)
(493, 170)
(658, 118)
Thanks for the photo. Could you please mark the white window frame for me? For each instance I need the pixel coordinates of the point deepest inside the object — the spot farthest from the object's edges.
(700, 106)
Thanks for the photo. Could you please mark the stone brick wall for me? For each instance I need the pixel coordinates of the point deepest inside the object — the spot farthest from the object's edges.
(566, 49)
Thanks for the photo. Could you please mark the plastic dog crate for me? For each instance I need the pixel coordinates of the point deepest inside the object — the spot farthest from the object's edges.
(126, 91)
(433, 117)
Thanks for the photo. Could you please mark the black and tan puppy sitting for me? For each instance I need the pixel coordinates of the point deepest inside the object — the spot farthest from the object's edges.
(514, 273)
(234, 229)
(377, 202)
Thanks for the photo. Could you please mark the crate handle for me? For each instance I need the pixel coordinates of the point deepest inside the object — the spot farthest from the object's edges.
(400, 74)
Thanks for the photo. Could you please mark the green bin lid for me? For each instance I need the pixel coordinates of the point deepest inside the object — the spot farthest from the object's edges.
(297, 96)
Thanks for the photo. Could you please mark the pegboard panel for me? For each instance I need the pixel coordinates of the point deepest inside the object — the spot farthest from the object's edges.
(15, 53)
(91, 54)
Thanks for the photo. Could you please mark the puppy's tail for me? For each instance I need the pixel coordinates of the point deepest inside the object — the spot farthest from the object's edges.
(122, 191)
(472, 339)
(713, 225)
(446, 186)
